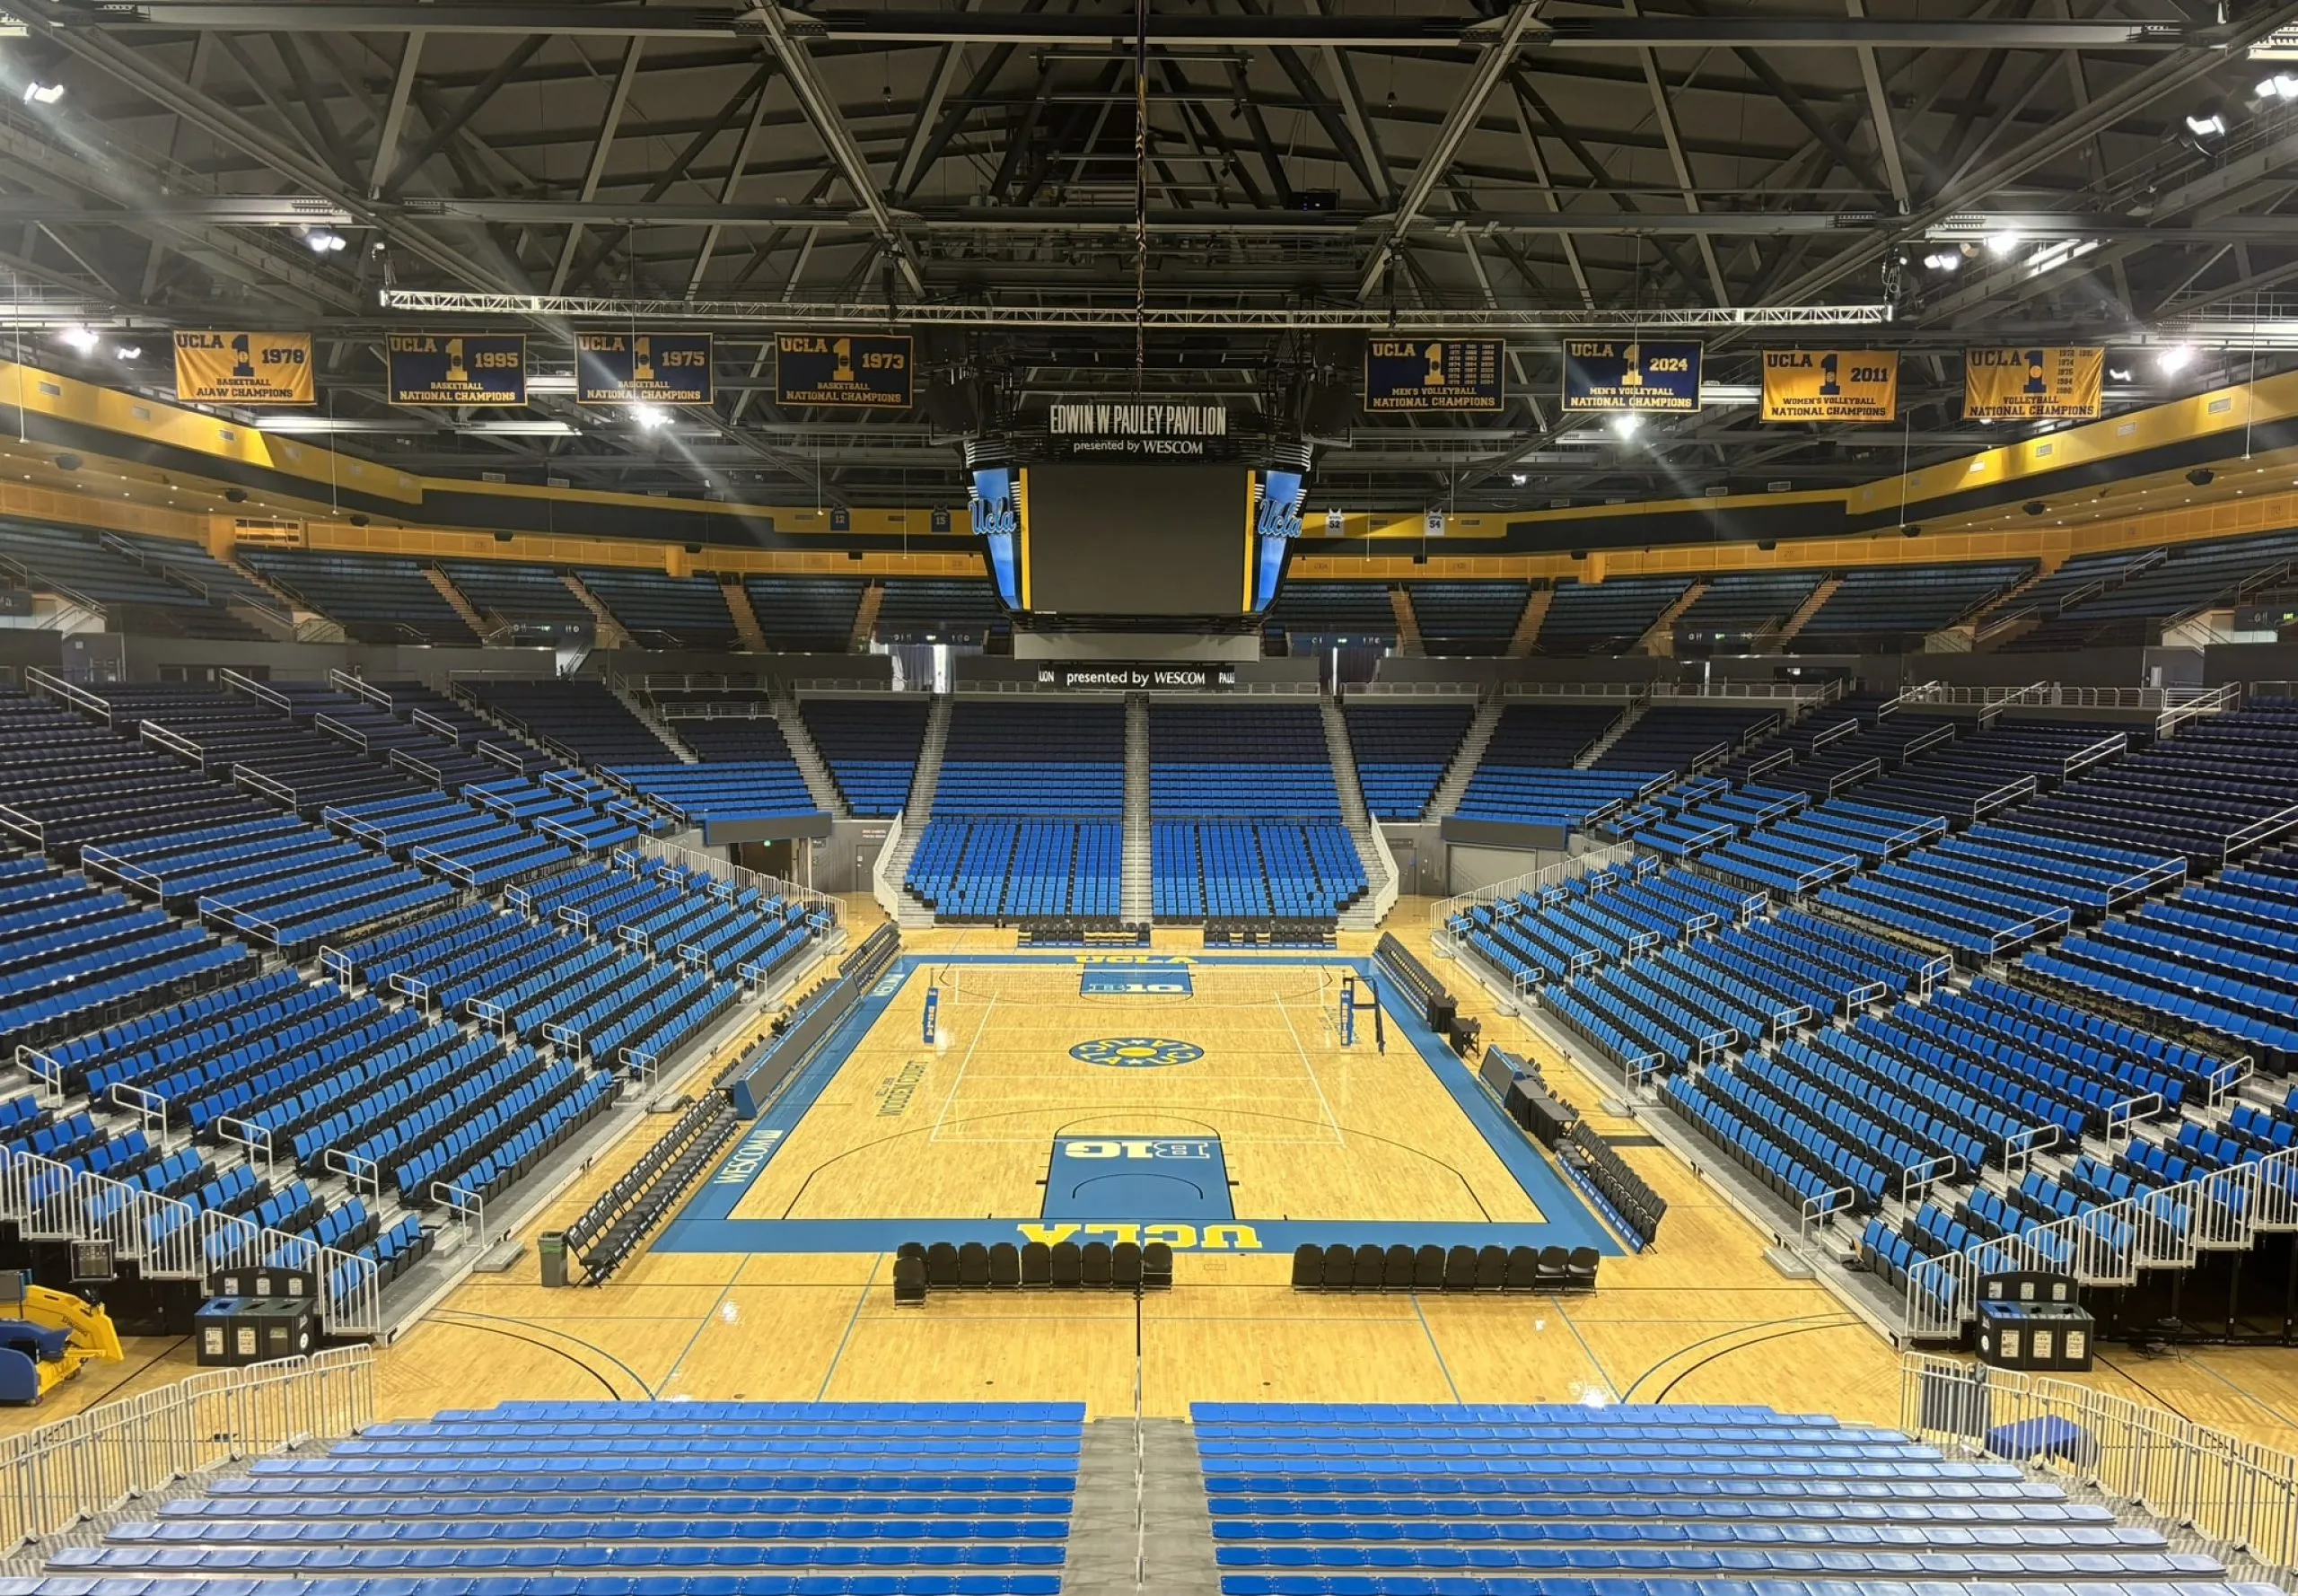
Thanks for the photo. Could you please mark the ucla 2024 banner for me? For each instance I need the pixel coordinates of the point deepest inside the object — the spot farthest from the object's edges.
(1616, 374)
(2044, 384)
(1830, 385)
(244, 368)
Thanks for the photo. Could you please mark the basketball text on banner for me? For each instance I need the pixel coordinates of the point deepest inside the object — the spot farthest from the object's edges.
(1830, 385)
(457, 368)
(1616, 374)
(862, 370)
(2042, 384)
(1433, 375)
(244, 368)
(642, 367)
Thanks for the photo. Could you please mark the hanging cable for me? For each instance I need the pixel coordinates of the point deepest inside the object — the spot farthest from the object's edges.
(1140, 195)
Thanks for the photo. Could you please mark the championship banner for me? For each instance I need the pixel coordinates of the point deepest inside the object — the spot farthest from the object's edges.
(244, 368)
(1434, 374)
(2032, 384)
(869, 373)
(1830, 385)
(630, 368)
(1607, 374)
(462, 368)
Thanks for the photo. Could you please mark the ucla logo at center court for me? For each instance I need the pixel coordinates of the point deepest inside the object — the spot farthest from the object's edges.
(1136, 1052)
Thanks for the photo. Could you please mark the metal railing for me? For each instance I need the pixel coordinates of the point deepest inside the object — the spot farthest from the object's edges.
(818, 904)
(68, 692)
(1441, 913)
(63, 1476)
(2207, 1492)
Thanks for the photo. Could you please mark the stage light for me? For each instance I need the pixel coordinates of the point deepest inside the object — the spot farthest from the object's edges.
(80, 340)
(43, 93)
(2209, 122)
(1626, 424)
(322, 241)
(129, 351)
(1944, 261)
(650, 416)
(2002, 244)
(2174, 360)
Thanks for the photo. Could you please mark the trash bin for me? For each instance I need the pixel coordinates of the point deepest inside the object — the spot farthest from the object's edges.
(551, 1248)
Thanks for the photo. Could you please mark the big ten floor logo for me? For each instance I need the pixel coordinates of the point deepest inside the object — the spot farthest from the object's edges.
(748, 1159)
(1136, 1052)
(1180, 1238)
(1179, 1147)
(889, 983)
(896, 1090)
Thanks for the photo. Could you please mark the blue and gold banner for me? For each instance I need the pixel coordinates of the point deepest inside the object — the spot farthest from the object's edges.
(1830, 385)
(1434, 374)
(457, 368)
(869, 372)
(244, 368)
(1630, 374)
(2040, 384)
(654, 368)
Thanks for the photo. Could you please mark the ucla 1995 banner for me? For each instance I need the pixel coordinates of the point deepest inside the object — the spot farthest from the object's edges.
(1611, 374)
(2032, 384)
(1830, 385)
(457, 368)
(1433, 375)
(871, 371)
(244, 368)
(626, 368)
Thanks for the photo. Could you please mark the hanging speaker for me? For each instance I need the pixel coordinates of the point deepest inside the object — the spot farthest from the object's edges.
(1328, 409)
(953, 404)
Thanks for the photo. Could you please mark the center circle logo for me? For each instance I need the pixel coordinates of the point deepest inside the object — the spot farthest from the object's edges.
(1136, 1052)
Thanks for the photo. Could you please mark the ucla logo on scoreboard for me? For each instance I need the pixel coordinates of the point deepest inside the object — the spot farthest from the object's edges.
(1136, 1052)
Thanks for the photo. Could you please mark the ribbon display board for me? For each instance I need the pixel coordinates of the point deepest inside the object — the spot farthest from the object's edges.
(244, 368)
(655, 368)
(1434, 374)
(869, 372)
(1609, 374)
(1137, 678)
(1830, 385)
(2047, 384)
(457, 368)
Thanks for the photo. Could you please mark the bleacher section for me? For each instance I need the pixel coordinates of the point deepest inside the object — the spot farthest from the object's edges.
(1468, 617)
(104, 571)
(1526, 776)
(661, 612)
(1607, 618)
(581, 717)
(916, 609)
(375, 598)
(1895, 606)
(1402, 751)
(533, 601)
(1246, 815)
(804, 614)
(1745, 605)
(1679, 737)
(993, 871)
(1358, 611)
(871, 746)
(2193, 576)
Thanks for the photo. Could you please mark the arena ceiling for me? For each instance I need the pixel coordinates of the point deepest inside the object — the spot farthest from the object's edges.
(1994, 170)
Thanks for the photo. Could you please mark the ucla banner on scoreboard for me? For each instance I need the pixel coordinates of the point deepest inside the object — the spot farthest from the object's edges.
(457, 368)
(2061, 384)
(1434, 374)
(869, 372)
(656, 368)
(1830, 385)
(1613, 374)
(244, 368)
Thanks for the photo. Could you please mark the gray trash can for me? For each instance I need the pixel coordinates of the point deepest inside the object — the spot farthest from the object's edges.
(551, 1248)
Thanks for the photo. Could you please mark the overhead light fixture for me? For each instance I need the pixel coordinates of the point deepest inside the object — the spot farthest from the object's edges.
(323, 240)
(543, 428)
(1518, 477)
(650, 416)
(1626, 424)
(80, 340)
(2174, 359)
(1944, 261)
(2280, 86)
(129, 351)
(37, 93)
(2116, 374)
(2209, 122)
(2004, 242)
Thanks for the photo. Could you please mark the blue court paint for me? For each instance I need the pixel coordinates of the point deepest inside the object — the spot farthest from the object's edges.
(1133, 980)
(705, 1225)
(1128, 1177)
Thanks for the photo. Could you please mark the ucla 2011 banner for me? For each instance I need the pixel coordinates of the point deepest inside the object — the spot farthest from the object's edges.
(2046, 384)
(868, 372)
(627, 368)
(1830, 385)
(244, 368)
(457, 368)
(1434, 374)
(1613, 374)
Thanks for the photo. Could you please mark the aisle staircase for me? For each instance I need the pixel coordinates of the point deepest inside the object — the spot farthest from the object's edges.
(652, 719)
(917, 812)
(808, 757)
(866, 618)
(1455, 785)
(1360, 915)
(463, 607)
(1659, 638)
(610, 631)
(1527, 635)
(1408, 641)
(1136, 901)
(1808, 608)
(738, 605)
(1612, 733)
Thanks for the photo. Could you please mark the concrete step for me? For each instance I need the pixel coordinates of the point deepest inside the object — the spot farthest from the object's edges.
(1408, 622)
(1136, 894)
(808, 758)
(610, 634)
(1527, 635)
(1449, 791)
(1809, 607)
(738, 605)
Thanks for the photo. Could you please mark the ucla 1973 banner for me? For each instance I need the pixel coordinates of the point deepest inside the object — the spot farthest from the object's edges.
(862, 371)
(244, 368)
(1619, 374)
(2045, 384)
(1433, 375)
(457, 368)
(1830, 385)
(642, 367)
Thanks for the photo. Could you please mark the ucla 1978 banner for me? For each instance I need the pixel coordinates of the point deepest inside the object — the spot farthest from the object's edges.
(2046, 384)
(1619, 374)
(634, 368)
(244, 368)
(1433, 375)
(864, 370)
(1830, 385)
(457, 368)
